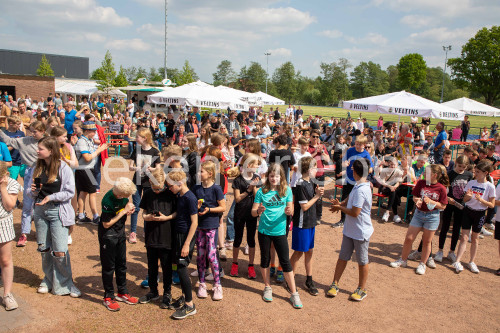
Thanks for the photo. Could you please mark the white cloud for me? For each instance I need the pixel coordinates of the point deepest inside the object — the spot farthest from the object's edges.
(281, 52)
(331, 33)
(419, 21)
(370, 38)
(135, 44)
(94, 37)
(444, 35)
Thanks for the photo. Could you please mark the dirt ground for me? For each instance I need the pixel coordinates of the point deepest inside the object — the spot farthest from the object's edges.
(398, 299)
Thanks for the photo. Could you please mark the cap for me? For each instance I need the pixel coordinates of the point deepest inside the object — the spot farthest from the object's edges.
(89, 126)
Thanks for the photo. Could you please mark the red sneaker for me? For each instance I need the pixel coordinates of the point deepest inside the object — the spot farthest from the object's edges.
(251, 272)
(234, 270)
(22, 241)
(132, 238)
(127, 299)
(111, 304)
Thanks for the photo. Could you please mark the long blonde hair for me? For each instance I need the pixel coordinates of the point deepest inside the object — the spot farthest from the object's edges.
(282, 186)
(51, 170)
(146, 133)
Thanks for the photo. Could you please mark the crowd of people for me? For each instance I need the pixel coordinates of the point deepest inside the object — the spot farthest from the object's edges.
(279, 163)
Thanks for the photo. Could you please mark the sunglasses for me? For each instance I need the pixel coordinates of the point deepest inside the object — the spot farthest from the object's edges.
(314, 136)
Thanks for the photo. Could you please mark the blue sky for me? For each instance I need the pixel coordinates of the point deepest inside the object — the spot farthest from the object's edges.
(207, 32)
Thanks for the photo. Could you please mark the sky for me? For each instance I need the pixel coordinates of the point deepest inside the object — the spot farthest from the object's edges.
(306, 33)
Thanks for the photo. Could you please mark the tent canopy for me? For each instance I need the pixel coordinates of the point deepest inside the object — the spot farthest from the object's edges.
(473, 108)
(266, 99)
(245, 96)
(75, 87)
(403, 103)
(198, 94)
(112, 92)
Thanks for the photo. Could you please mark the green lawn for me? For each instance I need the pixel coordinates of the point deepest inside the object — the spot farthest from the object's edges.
(475, 121)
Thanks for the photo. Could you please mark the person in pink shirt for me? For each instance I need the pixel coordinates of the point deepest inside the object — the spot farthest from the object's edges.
(456, 133)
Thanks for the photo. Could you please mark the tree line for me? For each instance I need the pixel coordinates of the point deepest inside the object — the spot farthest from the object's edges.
(475, 74)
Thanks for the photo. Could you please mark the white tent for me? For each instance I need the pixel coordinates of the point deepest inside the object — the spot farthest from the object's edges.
(75, 87)
(113, 93)
(473, 108)
(266, 99)
(403, 103)
(245, 96)
(198, 94)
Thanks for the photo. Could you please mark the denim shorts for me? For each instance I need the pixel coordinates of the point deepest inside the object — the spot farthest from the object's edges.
(426, 220)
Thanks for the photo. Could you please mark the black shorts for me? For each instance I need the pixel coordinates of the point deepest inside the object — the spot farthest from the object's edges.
(497, 230)
(179, 240)
(85, 181)
(473, 219)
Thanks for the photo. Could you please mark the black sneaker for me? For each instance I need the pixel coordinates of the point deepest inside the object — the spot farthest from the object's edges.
(86, 219)
(339, 224)
(149, 297)
(96, 221)
(311, 288)
(166, 302)
(179, 303)
(184, 312)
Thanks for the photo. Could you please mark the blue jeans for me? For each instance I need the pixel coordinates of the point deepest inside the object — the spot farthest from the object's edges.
(27, 213)
(230, 223)
(426, 220)
(52, 237)
(97, 171)
(136, 199)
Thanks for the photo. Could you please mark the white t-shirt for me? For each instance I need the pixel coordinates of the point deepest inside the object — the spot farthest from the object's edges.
(497, 215)
(296, 175)
(486, 190)
(289, 112)
(359, 228)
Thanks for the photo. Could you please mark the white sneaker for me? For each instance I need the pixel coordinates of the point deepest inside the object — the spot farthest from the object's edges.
(397, 219)
(486, 232)
(70, 240)
(452, 256)
(415, 255)
(420, 269)
(398, 263)
(195, 273)
(42, 290)
(473, 268)
(74, 292)
(439, 256)
(209, 277)
(10, 302)
(385, 218)
(431, 263)
(246, 250)
(490, 226)
(458, 266)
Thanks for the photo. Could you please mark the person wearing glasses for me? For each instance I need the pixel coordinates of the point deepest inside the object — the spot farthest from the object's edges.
(319, 152)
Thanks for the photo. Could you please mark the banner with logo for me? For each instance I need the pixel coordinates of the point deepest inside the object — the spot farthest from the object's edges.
(399, 111)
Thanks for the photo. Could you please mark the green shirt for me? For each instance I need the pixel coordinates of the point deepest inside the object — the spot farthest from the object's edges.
(273, 219)
(111, 206)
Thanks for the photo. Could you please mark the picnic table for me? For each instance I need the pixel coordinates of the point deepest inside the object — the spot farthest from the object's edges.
(116, 142)
(456, 144)
(485, 141)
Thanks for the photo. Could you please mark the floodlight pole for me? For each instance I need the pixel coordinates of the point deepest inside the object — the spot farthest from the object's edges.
(445, 49)
(165, 64)
(267, 54)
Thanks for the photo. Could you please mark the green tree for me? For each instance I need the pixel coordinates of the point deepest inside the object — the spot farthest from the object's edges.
(140, 74)
(187, 75)
(225, 74)
(332, 83)
(154, 76)
(121, 78)
(412, 72)
(392, 77)
(44, 68)
(253, 78)
(368, 79)
(130, 73)
(172, 74)
(478, 68)
(106, 73)
(285, 79)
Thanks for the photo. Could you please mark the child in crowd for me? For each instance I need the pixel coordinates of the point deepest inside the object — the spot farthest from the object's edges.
(430, 197)
(340, 146)
(447, 162)
(357, 230)
(112, 242)
(389, 178)
(459, 178)
(185, 225)
(408, 176)
(159, 209)
(273, 202)
(298, 155)
(143, 161)
(479, 196)
(211, 203)
(9, 189)
(281, 154)
(429, 144)
(306, 194)
(245, 187)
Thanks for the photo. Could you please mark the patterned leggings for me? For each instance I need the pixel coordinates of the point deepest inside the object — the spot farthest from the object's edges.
(205, 242)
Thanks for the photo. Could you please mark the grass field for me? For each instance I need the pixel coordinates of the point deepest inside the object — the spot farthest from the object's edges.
(475, 121)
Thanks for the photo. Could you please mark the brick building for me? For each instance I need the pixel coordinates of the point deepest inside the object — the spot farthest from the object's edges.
(31, 85)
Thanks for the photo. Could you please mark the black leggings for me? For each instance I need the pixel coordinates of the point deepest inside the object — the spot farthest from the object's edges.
(165, 257)
(182, 264)
(113, 254)
(281, 247)
(346, 190)
(239, 226)
(450, 211)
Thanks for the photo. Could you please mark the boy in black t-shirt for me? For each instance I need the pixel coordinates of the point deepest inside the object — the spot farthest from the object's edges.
(304, 219)
(282, 155)
(159, 206)
(185, 225)
(112, 242)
